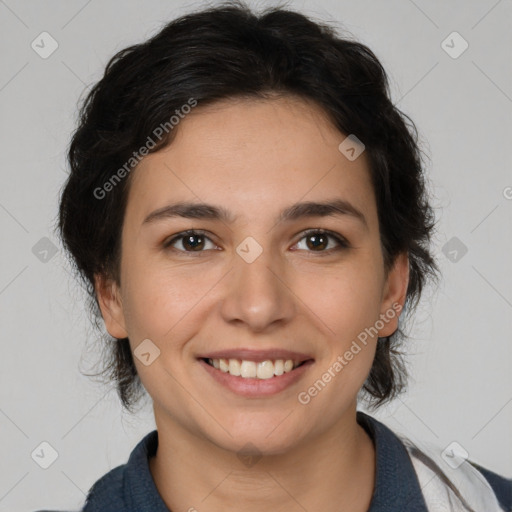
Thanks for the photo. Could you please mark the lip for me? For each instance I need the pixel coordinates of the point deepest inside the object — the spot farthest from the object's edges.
(257, 355)
(255, 388)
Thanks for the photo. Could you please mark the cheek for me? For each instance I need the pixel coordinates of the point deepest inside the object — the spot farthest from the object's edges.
(348, 307)
(346, 299)
(159, 301)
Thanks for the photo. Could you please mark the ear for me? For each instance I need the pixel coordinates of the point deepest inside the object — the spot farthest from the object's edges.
(394, 294)
(111, 306)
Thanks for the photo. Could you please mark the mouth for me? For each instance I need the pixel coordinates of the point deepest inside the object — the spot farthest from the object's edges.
(248, 369)
(253, 374)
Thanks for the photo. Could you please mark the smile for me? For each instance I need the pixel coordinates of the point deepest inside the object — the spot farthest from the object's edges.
(255, 379)
(252, 369)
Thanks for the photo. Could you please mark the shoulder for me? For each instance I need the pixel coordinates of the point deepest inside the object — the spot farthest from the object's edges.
(126, 486)
(440, 482)
(501, 486)
(105, 495)
(476, 487)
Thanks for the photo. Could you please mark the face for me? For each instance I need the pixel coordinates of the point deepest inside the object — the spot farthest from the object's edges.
(263, 276)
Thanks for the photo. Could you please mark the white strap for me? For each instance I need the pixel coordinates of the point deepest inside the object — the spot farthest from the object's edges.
(470, 483)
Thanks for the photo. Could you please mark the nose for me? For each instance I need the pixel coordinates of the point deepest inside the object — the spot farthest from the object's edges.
(258, 294)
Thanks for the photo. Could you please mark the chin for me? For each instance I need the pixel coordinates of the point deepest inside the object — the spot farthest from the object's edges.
(268, 438)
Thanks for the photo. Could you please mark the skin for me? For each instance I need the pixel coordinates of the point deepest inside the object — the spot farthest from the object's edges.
(254, 158)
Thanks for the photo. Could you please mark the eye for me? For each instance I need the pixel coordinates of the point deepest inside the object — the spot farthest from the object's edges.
(190, 241)
(317, 240)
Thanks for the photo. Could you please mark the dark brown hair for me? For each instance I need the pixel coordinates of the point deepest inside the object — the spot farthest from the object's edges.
(225, 52)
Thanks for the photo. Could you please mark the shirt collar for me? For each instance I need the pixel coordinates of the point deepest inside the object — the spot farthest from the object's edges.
(396, 484)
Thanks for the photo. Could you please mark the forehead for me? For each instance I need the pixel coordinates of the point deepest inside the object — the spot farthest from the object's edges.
(255, 156)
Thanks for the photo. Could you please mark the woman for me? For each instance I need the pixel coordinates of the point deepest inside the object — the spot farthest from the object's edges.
(248, 211)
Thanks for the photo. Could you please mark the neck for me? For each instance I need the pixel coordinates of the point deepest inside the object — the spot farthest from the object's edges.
(335, 471)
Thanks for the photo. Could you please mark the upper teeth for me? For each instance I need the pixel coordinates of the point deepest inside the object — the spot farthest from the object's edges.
(250, 369)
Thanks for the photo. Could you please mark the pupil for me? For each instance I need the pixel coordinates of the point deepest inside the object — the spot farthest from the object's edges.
(318, 241)
(189, 241)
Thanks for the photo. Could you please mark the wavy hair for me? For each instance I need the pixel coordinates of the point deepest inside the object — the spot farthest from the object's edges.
(225, 52)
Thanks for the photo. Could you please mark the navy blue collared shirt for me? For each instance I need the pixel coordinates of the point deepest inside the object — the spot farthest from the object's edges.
(131, 488)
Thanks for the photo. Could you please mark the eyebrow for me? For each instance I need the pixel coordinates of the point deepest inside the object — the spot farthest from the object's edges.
(191, 210)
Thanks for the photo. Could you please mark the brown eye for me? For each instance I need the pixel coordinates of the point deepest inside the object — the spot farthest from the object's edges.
(320, 240)
(189, 241)
(193, 242)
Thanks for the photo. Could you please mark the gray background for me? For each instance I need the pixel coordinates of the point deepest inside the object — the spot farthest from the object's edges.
(461, 349)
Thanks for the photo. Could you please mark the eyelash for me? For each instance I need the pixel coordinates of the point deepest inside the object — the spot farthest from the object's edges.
(342, 242)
